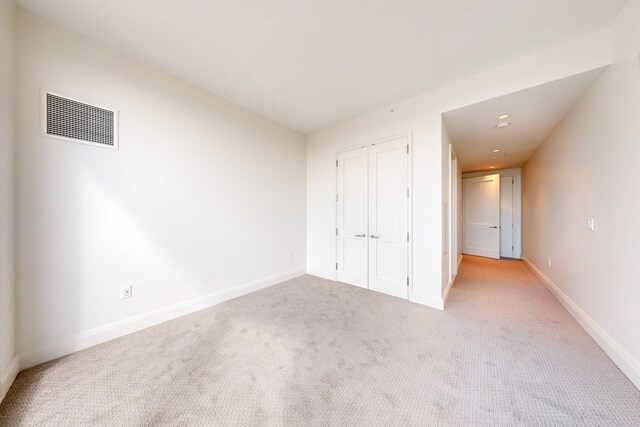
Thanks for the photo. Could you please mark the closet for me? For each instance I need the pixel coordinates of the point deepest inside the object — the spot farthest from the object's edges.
(373, 216)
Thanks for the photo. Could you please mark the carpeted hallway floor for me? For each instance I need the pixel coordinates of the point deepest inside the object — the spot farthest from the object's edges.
(313, 352)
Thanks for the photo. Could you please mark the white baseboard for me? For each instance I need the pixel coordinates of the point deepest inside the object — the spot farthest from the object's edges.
(329, 275)
(447, 289)
(82, 340)
(423, 299)
(615, 351)
(7, 375)
(428, 300)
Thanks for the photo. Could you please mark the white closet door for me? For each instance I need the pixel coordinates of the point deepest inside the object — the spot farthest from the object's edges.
(388, 217)
(481, 197)
(352, 217)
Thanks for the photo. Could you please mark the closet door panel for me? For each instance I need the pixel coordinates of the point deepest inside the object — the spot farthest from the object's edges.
(352, 217)
(388, 217)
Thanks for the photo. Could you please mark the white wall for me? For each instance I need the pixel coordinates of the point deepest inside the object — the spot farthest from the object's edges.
(421, 115)
(201, 197)
(7, 300)
(588, 169)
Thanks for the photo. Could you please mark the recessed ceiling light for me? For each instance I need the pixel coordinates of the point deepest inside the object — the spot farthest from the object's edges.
(492, 167)
(502, 125)
(504, 116)
(496, 151)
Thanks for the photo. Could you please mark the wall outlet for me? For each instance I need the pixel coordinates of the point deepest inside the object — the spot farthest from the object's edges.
(126, 291)
(289, 256)
(549, 262)
(590, 224)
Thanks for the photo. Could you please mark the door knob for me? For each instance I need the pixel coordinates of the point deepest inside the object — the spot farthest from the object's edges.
(361, 235)
(493, 226)
(373, 236)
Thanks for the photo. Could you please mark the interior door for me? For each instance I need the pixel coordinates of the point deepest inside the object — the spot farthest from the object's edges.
(388, 217)
(352, 265)
(481, 197)
(507, 216)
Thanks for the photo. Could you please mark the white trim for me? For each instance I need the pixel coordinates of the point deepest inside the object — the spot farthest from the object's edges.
(453, 212)
(322, 274)
(447, 290)
(82, 340)
(8, 375)
(409, 136)
(627, 364)
(428, 300)
(43, 121)
(418, 298)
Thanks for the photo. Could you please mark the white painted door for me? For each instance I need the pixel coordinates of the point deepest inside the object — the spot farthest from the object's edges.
(507, 216)
(352, 237)
(481, 197)
(388, 217)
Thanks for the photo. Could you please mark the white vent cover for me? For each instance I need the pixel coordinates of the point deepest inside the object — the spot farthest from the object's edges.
(76, 121)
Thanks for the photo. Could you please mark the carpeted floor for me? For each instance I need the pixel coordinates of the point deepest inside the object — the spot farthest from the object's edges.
(314, 352)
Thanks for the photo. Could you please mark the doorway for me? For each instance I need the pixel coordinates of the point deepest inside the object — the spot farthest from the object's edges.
(492, 213)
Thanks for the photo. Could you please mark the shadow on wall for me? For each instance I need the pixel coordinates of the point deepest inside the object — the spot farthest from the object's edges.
(191, 204)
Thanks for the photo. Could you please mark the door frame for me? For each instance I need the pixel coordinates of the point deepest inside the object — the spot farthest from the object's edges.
(409, 137)
(453, 214)
(516, 173)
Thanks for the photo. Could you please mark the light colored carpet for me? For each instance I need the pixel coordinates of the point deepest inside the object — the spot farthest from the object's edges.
(313, 352)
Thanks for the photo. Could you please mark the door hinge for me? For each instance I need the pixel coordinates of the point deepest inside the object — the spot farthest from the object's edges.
(407, 148)
(336, 265)
(407, 280)
(407, 237)
(512, 248)
(407, 193)
(336, 231)
(336, 197)
(336, 163)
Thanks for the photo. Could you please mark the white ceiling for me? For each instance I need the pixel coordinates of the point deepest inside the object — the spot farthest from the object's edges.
(535, 113)
(309, 64)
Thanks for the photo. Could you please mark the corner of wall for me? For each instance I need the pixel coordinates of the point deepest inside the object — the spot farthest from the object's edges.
(436, 302)
(7, 375)
(624, 361)
(83, 340)
(9, 365)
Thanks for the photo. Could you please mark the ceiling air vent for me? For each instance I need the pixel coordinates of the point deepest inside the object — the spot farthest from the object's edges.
(76, 121)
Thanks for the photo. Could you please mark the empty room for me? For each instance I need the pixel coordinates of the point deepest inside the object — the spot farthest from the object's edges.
(292, 213)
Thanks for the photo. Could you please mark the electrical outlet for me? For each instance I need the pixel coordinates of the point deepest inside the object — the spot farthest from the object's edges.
(289, 256)
(549, 262)
(590, 224)
(126, 291)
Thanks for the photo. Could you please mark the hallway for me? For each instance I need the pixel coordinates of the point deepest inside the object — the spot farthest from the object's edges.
(504, 352)
(538, 364)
